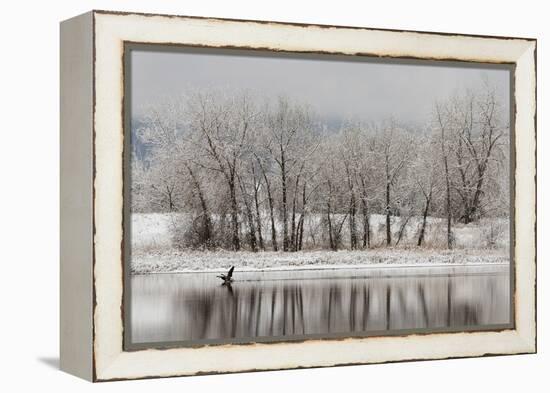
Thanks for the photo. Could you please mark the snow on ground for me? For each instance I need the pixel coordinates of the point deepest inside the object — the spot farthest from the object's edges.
(152, 231)
(153, 250)
(180, 261)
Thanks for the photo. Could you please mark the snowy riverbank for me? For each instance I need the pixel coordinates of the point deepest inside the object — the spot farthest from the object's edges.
(182, 261)
(154, 249)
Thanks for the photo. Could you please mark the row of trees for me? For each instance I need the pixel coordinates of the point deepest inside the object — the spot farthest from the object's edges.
(249, 173)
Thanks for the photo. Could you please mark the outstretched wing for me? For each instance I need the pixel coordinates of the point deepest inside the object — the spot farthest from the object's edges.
(230, 273)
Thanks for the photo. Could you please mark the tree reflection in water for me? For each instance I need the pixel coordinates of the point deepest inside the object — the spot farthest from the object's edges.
(176, 307)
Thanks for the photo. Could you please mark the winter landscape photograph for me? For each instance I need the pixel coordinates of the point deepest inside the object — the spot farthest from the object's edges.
(275, 196)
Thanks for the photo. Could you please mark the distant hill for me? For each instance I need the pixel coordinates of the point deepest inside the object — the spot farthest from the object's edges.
(140, 149)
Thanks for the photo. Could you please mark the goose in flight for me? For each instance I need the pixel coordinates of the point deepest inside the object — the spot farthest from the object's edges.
(227, 279)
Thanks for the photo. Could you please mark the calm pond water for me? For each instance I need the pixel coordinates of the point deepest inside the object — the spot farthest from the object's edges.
(194, 306)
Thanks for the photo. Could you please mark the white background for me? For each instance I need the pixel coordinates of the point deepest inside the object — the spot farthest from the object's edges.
(29, 196)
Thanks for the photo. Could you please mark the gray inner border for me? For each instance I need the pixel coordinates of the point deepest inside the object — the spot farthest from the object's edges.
(128, 345)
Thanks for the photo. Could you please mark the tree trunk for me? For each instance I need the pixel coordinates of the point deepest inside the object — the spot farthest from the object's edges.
(271, 208)
(477, 196)
(258, 216)
(170, 200)
(271, 216)
(447, 181)
(388, 218)
(352, 226)
(284, 201)
(250, 218)
(299, 232)
(302, 218)
(234, 215)
(293, 232)
(338, 233)
(402, 229)
(207, 224)
(448, 203)
(424, 219)
(366, 230)
(293, 217)
(465, 193)
(352, 209)
(365, 210)
(331, 240)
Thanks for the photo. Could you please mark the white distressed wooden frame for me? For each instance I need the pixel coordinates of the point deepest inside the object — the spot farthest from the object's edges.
(92, 91)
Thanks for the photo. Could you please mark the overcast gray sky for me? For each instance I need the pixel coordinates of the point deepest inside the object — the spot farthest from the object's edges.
(335, 87)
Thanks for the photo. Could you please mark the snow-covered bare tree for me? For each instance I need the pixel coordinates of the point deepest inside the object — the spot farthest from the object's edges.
(426, 172)
(443, 130)
(480, 133)
(270, 175)
(222, 124)
(395, 150)
(161, 130)
(288, 126)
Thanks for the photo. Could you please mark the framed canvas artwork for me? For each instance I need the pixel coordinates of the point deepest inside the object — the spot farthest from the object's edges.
(247, 195)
